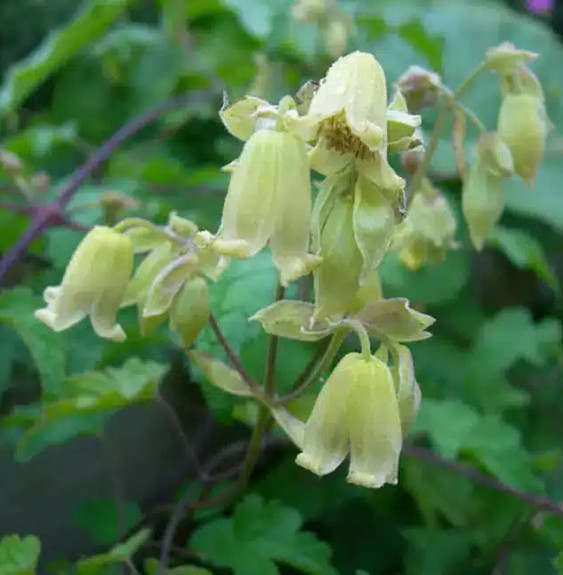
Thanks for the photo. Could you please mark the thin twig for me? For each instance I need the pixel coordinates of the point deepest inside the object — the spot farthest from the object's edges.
(530, 499)
(189, 450)
(52, 214)
(233, 358)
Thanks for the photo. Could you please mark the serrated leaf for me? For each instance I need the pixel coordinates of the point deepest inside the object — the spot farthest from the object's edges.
(89, 399)
(19, 556)
(90, 22)
(220, 374)
(511, 335)
(525, 252)
(118, 554)
(102, 518)
(456, 428)
(290, 319)
(259, 535)
(395, 319)
(46, 347)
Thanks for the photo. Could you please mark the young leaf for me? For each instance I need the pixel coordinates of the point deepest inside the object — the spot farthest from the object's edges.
(220, 374)
(118, 554)
(19, 556)
(59, 47)
(525, 252)
(259, 535)
(46, 347)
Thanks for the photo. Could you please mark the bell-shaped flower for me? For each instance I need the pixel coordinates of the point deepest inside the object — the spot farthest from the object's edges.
(347, 116)
(268, 201)
(429, 230)
(94, 284)
(356, 412)
(523, 126)
(190, 309)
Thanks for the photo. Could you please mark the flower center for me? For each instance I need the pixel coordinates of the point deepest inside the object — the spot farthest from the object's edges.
(338, 136)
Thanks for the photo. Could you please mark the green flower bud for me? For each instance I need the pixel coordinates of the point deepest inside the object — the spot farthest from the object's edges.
(336, 33)
(269, 200)
(309, 11)
(506, 58)
(523, 127)
(482, 202)
(429, 230)
(357, 412)
(94, 284)
(189, 312)
(338, 277)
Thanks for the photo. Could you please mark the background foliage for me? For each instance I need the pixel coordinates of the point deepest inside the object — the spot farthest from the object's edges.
(483, 473)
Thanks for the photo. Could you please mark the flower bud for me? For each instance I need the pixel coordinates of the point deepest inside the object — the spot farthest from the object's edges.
(308, 11)
(269, 199)
(336, 34)
(94, 284)
(420, 87)
(506, 58)
(429, 230)
(189, 312)
(338, 277)
(355, 411)
(482, 202)
(522, 126)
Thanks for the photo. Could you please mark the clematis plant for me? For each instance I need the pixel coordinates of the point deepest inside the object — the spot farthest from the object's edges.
(344, 130)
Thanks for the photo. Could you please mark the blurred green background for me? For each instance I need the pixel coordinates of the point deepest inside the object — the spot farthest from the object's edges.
(81, 481)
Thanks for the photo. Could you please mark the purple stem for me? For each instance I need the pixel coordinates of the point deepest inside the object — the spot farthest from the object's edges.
(52, 214)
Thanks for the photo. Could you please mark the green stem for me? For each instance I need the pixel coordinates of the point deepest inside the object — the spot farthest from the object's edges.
(264, 416)
(127, 223)
(439, 126)
(315, 374)
(362, 334)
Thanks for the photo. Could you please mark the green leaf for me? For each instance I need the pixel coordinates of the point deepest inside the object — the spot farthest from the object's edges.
(88, 400)
(511, 336)
(435, 551)
(525, 252)
(89, 24)
(119, 554)
(102, 519)
(256, 15)
(151, 568)
(456, 428)
(220, 374)
(46, 347)
(429, 45)
(19, 556)
(259, 535)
